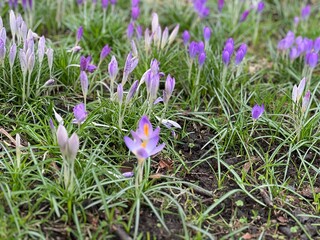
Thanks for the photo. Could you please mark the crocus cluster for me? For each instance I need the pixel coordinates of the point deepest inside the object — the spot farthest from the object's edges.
(301, 47)
(228, 52)
(158, 37)
(297, 93)
(200, 7)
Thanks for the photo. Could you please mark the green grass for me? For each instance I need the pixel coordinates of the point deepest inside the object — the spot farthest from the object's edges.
(222, 175)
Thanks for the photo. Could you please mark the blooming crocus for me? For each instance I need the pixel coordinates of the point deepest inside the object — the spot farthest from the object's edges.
(305, 12)
(206, 33)
(85, 64)
(104, 52)
(244, 15)
(201, 58)
(185, 37)
(260, 7)
(145, 140)
(80, 113)
(220, 5)
(257, 111)
(311, 59)
(113, 68)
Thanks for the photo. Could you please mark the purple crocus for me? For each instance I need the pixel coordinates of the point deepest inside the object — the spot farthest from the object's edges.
(241, 53)
(80, 113)
(169, 87)
(79, 33)
(244, 15)
(135, 12)
(105, 52)
(132, 91)
(260, 7)
(201, 58)
(120, 93)
(305, 101)
(311, 59)
(193, 49)
(104, 4)
(206, 33)
(257, 111)
(113, 68)
(226, 57)
(185, 37)
(305, 12)
(200, 8)
(145, 140)
(294, 53)
(220, 5)
(130, 30)
(84, 83)
(85, 64)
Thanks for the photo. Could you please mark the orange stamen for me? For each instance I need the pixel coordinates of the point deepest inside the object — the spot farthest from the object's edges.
(146, 129)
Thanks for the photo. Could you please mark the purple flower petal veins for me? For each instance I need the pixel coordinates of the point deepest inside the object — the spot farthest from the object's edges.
(257, 111)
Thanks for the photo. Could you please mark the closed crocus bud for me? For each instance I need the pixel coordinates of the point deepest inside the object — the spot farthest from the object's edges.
(113, 2)
(3, 35)
(84, 82)
(130, 30)
(23, 61)
(13, 24)
(296, 21)
(12, 54)
(31, 62)
(73, 147)
(104, 4)
(293, 53)
(41, 48)
(244, 15)
(316, 45)
(24, 4)
(206, 33)
(48, 83)
(105, 52)
(120, 93)
(260, 7)
(200, 47)
(113, 68)
(62, 138)
(220, 5)
(305, 12)
(305, 101)
(50, 58)
(154, 22)
(139, 31)
(239, 57)
(132, 91)
(135, 12)
(226, 57)
(201, 58)
(134, 48)
(2, 50)
(165, 36)
(257, 111)
(174, 34)
(79, 33)
(169, 87)
(185, 37)
(193, 49)
(130, 65)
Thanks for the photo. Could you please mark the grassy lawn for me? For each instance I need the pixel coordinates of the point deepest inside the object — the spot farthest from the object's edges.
(159, 119)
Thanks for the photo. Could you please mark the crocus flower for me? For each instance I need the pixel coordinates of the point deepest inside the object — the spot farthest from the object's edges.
(200, 8)
(132, 91)
(201, 58)
(139, 31)
(305, 101)
(174, 34)
(41, 48)
(311, 59)
(296, 20)
(68, 146)
(206, 33)
(185, 37)
(260, 7)
(294, 53)
(79, 33)
(193, 49)
(12, 54)
(130, 30)
(85, 64)
(113, 68)
(120, 93)
(298, 91)
(305, 12)
(130, 65)
(113, 2)
(169, 87)
(104, 4)
(84, 83)
(257, 111)
(145, 140)
(220, 5)
(135, 12)
(244, 15)
(226, 57)
(316, 45)
(80, 113)
(2, 51)
(104, 52)
(200, 47)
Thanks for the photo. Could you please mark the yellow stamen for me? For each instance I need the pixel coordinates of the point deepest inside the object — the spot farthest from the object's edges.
(146, 129)
(144, 144)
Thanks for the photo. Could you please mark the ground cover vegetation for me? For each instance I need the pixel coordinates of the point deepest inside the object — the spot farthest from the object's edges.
(159, 119)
